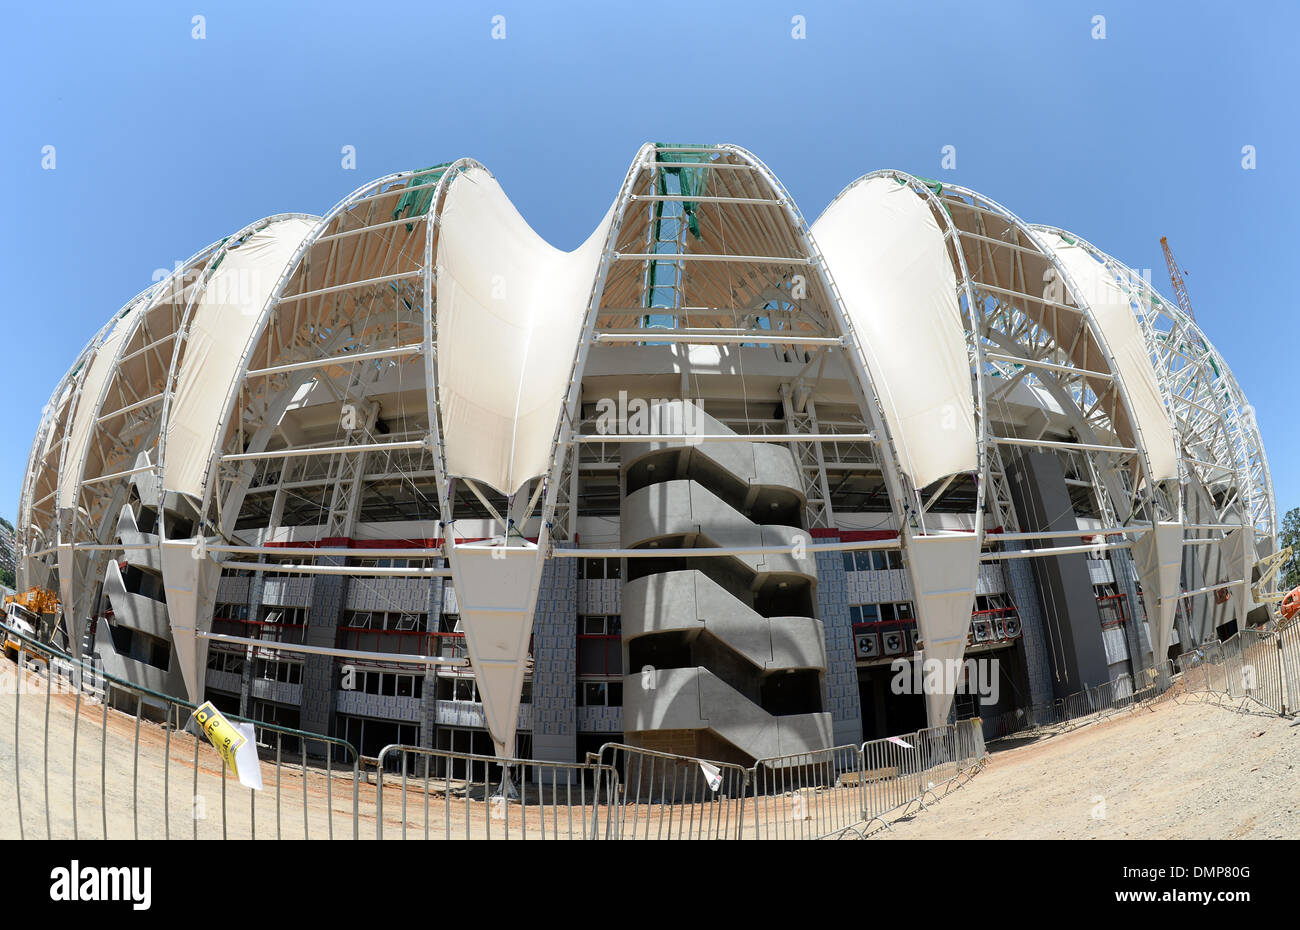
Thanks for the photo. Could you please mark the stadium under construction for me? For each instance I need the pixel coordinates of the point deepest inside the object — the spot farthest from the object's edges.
(406, 473)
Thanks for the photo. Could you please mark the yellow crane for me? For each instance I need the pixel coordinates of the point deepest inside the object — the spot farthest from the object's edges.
(23, 612)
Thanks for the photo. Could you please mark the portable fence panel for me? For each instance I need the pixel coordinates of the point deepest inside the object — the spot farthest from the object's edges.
(1289, 655)
(1194, 677)
(1233, 666)
(891, 774)
(1118, 694)
(94, 756)
(666, 796)
(1214, 663)
(939, 758)
(970, 740)
(1262, 668)
(1079, 704)
(1159, 683)
(808, 795)
(437, 794)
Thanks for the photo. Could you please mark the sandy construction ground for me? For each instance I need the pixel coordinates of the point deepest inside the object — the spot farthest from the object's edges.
(1178, 770)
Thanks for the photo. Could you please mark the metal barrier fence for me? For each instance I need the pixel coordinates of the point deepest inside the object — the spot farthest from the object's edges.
(1205, 669)
(1261, 669)
(627, 792)
(468, 796)
(1261, 666)
(1289, 656)
(119, 760)
(667, 796)
(1099, 701)
(808, 795)
(831, 791)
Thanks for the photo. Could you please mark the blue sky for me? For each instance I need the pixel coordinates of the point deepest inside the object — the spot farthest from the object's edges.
(165, 143)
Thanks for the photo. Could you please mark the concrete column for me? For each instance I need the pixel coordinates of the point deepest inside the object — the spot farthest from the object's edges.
(328, 595)
(1121, 561)
(1067, 599)
(256, 585)
(1024, 594)
(555, 663)
(429, 701)
(843, 701)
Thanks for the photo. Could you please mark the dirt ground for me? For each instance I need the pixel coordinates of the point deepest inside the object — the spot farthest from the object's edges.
(1186, 769)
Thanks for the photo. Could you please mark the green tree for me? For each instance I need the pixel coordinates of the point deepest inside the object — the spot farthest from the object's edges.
(1289, 535)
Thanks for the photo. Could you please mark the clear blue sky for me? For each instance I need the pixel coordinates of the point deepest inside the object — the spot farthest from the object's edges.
(165, 143)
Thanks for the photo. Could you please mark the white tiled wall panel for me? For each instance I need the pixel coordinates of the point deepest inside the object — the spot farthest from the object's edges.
(233, 590)
(1100, 571)
(1116, 647)
(470, 714)
(879, 587)
(287, 592)
(394, 594)
(601, 596)
(389, 707)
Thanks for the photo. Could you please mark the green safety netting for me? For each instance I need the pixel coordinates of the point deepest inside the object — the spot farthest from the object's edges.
(934, 185)
(690, 181)
(221, 255)
(416, 202)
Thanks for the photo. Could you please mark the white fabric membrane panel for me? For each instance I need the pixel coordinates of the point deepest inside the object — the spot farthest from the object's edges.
(1119, 326)
(83, 418)
(224, 322)
(944, 569)
(890, 264)
(509, 313)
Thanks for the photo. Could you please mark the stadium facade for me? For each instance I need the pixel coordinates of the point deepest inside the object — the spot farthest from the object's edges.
(407, 473)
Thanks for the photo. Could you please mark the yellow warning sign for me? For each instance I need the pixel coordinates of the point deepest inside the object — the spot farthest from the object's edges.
(220, 732)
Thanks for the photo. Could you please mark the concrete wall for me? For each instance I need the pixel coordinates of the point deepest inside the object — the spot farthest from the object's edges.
(1069, 605)
(833, 598)
(555, 663)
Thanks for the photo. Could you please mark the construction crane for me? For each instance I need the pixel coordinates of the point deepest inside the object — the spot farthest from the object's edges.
(23, 613)
(1178, 278)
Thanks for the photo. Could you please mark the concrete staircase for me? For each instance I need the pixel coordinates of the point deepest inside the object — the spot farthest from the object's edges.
(725, 657)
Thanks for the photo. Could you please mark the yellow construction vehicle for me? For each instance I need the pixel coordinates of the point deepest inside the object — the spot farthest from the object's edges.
(1287, 603)
(23, 612)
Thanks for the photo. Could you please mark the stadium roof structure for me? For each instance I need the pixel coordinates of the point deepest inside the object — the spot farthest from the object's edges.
(937, 302)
